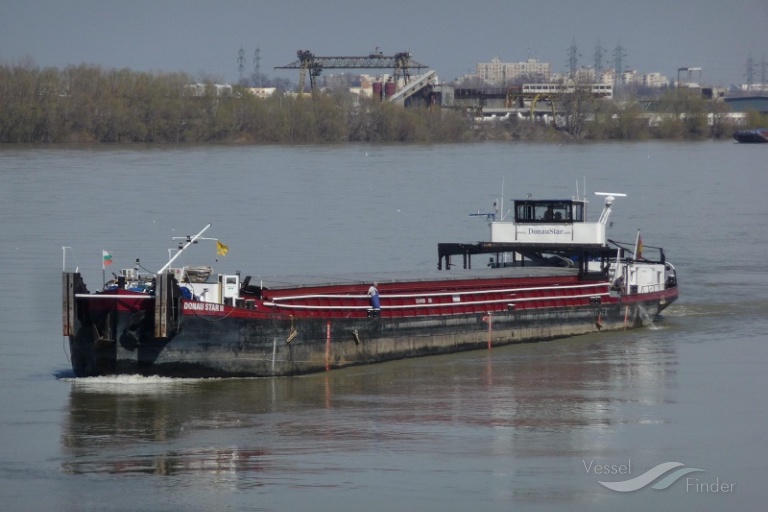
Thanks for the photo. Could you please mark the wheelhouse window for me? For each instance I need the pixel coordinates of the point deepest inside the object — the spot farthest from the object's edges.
(549, 211)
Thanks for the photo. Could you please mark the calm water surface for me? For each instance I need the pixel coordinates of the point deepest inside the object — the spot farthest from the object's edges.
(510, 428)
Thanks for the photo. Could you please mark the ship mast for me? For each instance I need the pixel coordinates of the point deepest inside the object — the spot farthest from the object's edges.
(190, 240)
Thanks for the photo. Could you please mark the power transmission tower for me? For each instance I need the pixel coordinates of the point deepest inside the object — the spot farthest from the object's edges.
(257, 65)
(618, 64)
(241, 62)
(599, 52)
(750, 74)
(573, 58)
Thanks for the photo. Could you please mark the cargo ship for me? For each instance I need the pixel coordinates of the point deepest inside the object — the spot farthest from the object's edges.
(545, 273)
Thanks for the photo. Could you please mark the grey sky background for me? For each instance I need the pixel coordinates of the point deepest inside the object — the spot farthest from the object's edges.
(202, 37)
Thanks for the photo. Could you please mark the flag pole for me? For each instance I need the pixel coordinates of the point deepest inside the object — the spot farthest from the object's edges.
(106, 260)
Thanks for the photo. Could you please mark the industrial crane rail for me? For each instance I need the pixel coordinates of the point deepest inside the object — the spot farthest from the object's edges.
(400, 63)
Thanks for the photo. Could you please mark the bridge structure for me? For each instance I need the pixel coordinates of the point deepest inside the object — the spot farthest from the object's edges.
(308, 63)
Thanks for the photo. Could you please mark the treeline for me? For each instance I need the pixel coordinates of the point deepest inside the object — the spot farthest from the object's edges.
(90, 104)
(675, 115)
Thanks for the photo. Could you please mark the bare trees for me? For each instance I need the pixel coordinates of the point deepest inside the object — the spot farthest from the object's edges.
(89, 104)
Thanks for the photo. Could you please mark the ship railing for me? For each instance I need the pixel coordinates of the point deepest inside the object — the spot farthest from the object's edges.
(438, 294)
(651, 288)
(510, 300)
(289, 302)
(581, 296)
(392, 306)
(670, 275)
(138, 296)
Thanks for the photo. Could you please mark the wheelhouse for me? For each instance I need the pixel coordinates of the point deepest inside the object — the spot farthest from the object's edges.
(549, 211)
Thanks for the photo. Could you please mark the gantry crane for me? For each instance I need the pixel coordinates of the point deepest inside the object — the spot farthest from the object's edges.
(401, 64)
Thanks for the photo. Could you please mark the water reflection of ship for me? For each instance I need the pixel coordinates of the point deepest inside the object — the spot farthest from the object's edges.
(105, 418)
(580, 390)
(574, 390)
(181, 461)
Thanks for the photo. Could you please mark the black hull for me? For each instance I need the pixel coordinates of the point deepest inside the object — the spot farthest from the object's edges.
(759, 136)
(205, 346)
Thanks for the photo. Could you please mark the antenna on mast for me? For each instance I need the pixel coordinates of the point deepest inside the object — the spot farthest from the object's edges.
(501, 205)
(609, 197)
(190, 240)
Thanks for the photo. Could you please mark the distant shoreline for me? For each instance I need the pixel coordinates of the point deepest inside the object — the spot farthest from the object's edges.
(90, 105)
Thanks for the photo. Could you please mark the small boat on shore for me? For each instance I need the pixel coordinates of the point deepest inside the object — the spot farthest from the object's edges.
(756, 136)
(546, 274)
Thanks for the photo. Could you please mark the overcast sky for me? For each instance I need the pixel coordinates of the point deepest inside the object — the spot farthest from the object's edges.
(202, 37)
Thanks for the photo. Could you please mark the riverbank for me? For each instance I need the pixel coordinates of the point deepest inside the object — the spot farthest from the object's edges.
(87, 104)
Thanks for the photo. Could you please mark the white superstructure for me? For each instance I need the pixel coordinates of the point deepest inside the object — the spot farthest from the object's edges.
(553, 222)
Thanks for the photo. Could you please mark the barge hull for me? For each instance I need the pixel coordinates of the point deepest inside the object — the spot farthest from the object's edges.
(278, 344)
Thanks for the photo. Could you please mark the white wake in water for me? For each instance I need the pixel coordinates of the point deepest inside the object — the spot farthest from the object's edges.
(132, 383)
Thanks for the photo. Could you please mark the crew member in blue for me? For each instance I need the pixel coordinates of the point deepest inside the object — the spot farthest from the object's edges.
(373, 295)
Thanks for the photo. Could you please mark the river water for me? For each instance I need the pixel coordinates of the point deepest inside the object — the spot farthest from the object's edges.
(531, 427)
